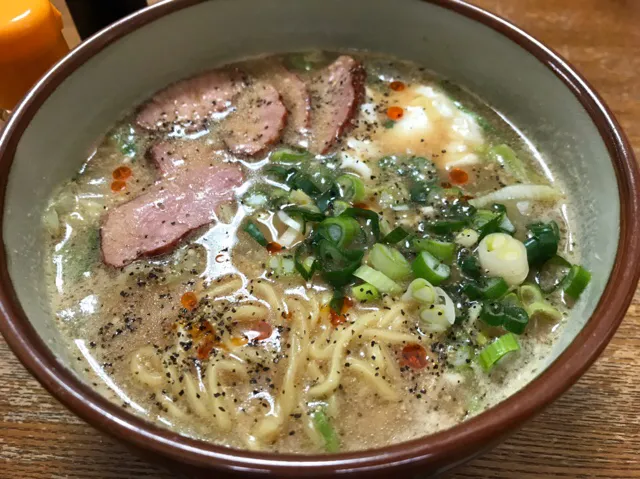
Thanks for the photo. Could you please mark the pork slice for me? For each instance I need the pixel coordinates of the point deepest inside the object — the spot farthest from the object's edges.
(191, 102)
(336, 94)
(294, 94)
(170, 156)
(155, 222)
(257, 122)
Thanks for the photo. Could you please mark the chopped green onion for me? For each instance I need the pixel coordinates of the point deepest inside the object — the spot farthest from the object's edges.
(529, 294)
(470, 266)
(302, 181)
(481, 338)
(337, 301)
(494, 288)
(518, 193)
(440, 316)
(365, 292)
(473, 290)
(507, 314)
(442, 250)
(351, 188)
(326, 199)
(505, 257)
(467, 238)
(379, 280)
(323, 426)
(515, 319)
(337, 266)
(288, 156)
(420, 290)
(459, 356)
(305, 213)
(368, 215)
(252, 229)
(535, 305)
(255, 200)
(544, 311)
(339, 230)
(498, 349)
(389, 261)
(492, 313)
(300, 198)
(576, 281)
(282, 265)
(398, 234)
(306, 267)
(542, 245)
(340, 207)
(505, 156)
(506, 225)
(552, 273)
(434, 319)
(428, 267)
(279, 172)
(511, 299)
(486, 222)
(445, 226)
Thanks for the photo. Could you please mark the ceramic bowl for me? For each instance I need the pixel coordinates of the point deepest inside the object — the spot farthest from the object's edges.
(61, 119)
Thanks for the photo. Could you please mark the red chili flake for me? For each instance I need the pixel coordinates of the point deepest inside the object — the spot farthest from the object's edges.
(238, 341)
(363, 206)
(259, 331)
(414, 356)
(122, 173)
(397, 86)
(338, 319)
(458, 176)
(220, 258)
(274, 247)
(395, 112)
(118, 185)
(204, 350)
(189, 300)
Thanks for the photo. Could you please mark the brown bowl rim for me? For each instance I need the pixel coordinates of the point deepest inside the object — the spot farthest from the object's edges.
(438, 450)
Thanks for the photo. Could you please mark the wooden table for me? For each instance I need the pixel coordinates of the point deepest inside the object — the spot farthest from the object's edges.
(591, 432)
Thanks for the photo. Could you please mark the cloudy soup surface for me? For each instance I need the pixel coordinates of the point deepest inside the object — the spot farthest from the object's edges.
(314, 252)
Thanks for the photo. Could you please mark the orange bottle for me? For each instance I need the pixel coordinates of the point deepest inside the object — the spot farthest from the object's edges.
(31, 42)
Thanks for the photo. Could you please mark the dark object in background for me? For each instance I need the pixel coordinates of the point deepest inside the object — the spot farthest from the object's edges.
(93, 15)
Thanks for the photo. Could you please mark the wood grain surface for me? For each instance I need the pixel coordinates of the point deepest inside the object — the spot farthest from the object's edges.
(593, 431)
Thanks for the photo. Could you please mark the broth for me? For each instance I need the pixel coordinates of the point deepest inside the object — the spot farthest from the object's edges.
(176, 256)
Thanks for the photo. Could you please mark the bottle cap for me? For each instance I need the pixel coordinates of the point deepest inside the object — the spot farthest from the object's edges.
(31, 42)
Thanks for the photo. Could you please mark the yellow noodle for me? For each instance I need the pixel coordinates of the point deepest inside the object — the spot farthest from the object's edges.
(332, 405)
(313, 370)
(391, 368)
(322, 346)
(224, 286)
(388, 316)
(220, 401)
(342, 340)
(140, 363)
(248, 312)
(384, 390)
(268, 428)
(376, 356)
(265, 291)
(388, 336)
(196, 396)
